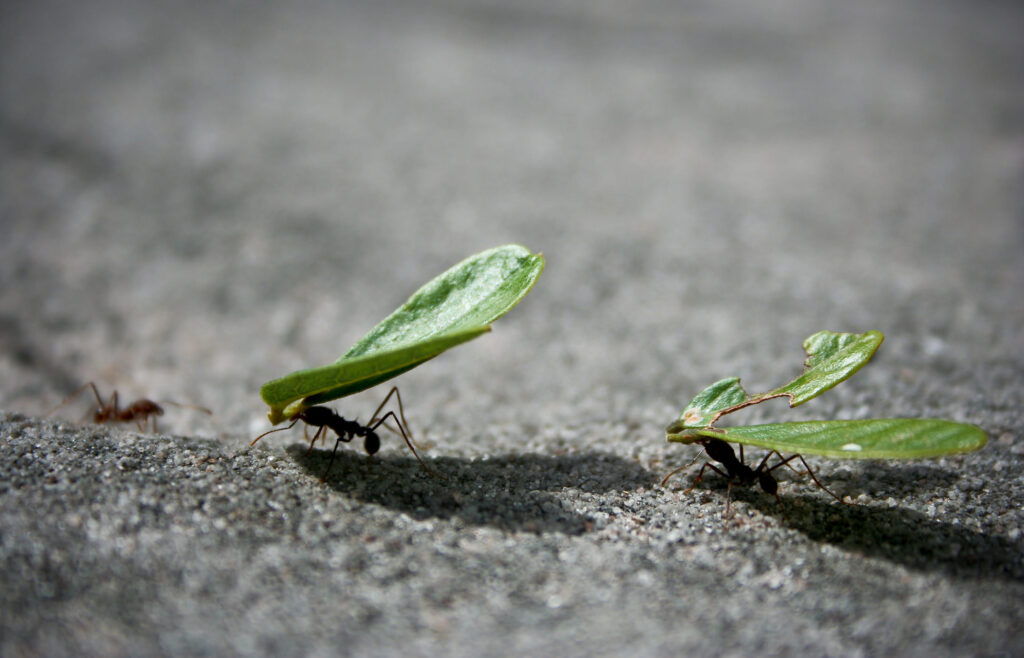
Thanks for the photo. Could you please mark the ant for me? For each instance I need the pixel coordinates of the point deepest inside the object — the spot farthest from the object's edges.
(346, 430)
(739, 473)
(140, 411)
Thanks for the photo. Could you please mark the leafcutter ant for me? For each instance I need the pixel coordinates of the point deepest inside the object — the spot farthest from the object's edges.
(738, 473)
(324, 418)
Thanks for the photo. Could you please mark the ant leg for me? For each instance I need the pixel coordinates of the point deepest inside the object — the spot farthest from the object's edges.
(96, 394)
(319, 431)
(305, 435)
(701, 474)
(813, 477)
(405, 436)
(761, 469)
(809, 472)
(401, 413)
(782, 462)
(769, 456)
(771, 486)
(342, 438)
(72, 396)
(323, 478)
(103, 410)
(113, 408)
(279, 429)
(728, 500)
(69, 398)
(791, 467)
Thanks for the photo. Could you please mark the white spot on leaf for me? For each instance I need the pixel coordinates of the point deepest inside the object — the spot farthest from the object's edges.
(852, 447)
(692, 416)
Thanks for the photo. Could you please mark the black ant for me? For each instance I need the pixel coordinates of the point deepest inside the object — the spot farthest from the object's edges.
(346, 430)
(739, 473)
(138, 411)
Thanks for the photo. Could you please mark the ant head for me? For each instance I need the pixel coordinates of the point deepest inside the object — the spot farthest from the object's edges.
(767, 482)
(372, 443)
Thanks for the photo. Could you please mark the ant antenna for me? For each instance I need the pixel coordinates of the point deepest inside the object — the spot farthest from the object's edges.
(277, 429)
(682, 468)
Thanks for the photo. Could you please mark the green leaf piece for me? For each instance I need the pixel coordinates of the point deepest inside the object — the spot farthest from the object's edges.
(702, 409)
(831, 359)
(454, 307)
(317, 385)
(473, 293)
(881, 438)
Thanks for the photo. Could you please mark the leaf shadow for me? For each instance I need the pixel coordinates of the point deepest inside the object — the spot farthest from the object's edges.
(899, 535)
(512, 492)
(901, 479)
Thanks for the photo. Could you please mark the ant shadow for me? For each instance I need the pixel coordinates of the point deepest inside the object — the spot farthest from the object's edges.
(513, 492)
(899, 535)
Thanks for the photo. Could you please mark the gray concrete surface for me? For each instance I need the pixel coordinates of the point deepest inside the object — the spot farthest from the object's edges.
(198, 197)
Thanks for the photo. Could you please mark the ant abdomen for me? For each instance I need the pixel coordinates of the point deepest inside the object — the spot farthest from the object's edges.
(144, 408)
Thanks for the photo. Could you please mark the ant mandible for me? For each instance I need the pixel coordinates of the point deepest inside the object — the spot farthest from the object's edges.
(138, 411)
(325, 418)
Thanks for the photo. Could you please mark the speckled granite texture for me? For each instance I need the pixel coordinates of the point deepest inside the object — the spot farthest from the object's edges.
(196, 197)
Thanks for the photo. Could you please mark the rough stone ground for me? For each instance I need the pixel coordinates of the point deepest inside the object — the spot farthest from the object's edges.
(198, 197)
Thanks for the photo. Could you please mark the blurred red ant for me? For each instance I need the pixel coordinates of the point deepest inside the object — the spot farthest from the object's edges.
(139, 411)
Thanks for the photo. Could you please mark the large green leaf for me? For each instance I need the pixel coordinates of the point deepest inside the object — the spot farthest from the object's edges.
(880, 438)
(454, 307)
(318, 385)
(473, 293)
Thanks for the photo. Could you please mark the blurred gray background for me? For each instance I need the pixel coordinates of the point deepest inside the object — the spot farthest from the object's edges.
(197, 197)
